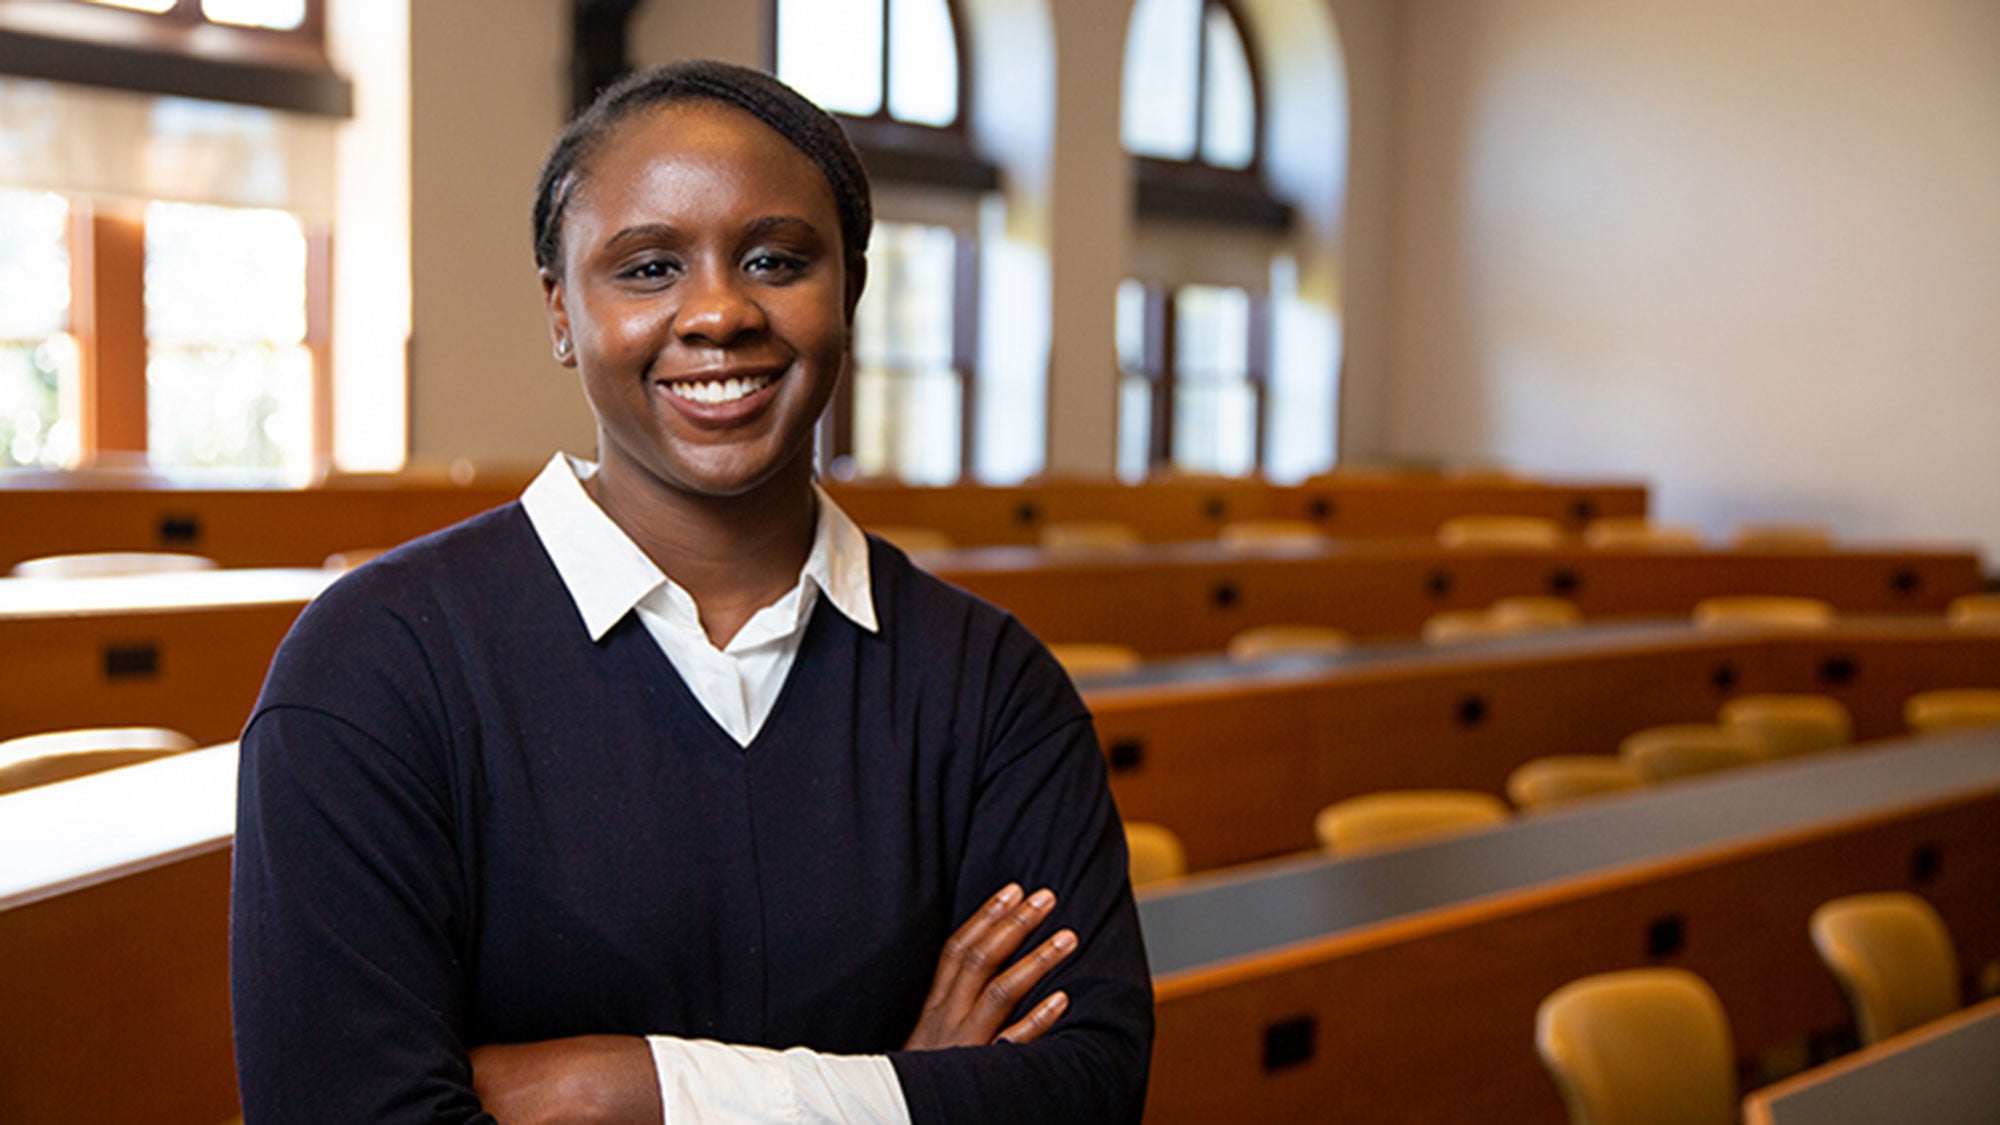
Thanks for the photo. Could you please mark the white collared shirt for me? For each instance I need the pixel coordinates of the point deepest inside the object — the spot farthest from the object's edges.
(608, 576)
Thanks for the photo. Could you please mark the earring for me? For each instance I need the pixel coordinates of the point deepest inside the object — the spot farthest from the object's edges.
(562, 350)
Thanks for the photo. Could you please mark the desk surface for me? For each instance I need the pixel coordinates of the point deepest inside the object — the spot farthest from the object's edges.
(1211, 919)
(1944, 1073)
(23, 598)
(63, 837)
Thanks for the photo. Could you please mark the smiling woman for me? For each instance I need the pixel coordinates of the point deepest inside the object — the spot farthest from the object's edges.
(496, 858)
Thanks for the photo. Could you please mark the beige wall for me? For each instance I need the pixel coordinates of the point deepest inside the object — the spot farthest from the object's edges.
(488, 94)
(1749, 252)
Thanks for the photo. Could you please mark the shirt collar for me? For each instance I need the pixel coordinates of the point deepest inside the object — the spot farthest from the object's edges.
(607, 574)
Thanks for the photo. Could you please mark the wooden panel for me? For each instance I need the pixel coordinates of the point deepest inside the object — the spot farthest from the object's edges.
(1238, 766)
(197, 671)
(1388, 588)
(116, 1006)
(1431, 1019)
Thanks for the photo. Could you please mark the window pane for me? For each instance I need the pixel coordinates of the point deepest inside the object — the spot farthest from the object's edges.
(38, 392)
(1228, 101)
(1160, 62)
(1215, 423)
(831, 51)
(238, 407)
(38, 367)
(923, 62)
(1211, 333)
(220, 275)
(280, 15)
(34, 264)
(228, 380)
(906, 392)
(1135, 426)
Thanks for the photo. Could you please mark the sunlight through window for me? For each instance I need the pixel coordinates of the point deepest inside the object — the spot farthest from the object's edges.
(38, 361)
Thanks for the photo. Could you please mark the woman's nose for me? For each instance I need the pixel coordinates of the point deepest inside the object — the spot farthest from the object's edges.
(716, 308)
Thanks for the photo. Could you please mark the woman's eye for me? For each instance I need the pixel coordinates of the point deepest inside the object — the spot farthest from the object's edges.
(775, 265)
(652, 269)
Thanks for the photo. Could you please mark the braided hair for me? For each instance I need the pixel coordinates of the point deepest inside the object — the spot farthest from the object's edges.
(806, 126)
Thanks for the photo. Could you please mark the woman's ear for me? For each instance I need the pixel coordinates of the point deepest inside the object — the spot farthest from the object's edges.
(559, 333)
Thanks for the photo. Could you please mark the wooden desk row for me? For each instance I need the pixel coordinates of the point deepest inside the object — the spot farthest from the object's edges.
(1397, 987)
(49, 514)
(1402, 987)
(187, 651)
(1192, 597)
(1946, 1072)
(1341, 504)
(1238, 761)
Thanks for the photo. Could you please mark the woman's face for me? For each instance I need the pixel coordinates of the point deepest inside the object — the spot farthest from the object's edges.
(705, 294)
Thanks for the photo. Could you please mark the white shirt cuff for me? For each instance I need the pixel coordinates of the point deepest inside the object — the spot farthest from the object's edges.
(703, 1082)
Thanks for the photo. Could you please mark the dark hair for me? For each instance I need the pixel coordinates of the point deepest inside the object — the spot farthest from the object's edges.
(809, 128)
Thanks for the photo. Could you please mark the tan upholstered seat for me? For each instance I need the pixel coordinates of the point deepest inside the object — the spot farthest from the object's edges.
(1398, 817)
(1892, 957)
(110, 564)
(1639, 1047)
(1156, 853)
(1615, 533)
(1533, 614)
(1675, 750)
(1456, 626)
(348, 560)
(1559, 778)
(1951, 709)
(1763, 611)
(42, 759)
(1782, 537)
(1253, 534)
(1783, 725)
(1526, 533)
(1083, 661)
(1974, 611)
(1264, 641)
(1089, 535)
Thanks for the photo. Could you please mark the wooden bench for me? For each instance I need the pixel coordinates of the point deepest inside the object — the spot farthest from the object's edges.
(1237, 761)
(1192, 597)
(1402, 987)
(53, 513)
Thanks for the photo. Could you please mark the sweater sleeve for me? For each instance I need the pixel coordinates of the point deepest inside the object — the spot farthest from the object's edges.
(1043, 816)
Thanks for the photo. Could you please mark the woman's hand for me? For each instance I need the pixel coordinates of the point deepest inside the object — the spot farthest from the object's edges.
(587, 1078)
(974, 989)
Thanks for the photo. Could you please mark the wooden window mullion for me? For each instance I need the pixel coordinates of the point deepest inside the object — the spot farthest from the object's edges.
(1257, 372)
(319, 338)
(965, 344)
(108, 316)
(1161, 357)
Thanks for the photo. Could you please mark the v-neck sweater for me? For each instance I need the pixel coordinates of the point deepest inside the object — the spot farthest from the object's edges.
(462, 822)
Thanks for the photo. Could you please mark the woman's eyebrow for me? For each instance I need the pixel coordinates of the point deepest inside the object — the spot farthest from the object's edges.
(642, 233)
(788, 224)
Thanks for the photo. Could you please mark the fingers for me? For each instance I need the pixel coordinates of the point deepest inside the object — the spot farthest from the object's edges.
(1032, 1025)
(977, 952)
(975, 988)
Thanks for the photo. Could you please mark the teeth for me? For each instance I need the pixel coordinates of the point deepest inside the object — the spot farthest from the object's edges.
(712, 391)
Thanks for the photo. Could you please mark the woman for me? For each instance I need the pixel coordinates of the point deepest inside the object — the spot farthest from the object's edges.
(664, 792)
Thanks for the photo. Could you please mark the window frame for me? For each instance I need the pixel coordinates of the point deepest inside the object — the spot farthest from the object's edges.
(107, 245)
(1160, 367)
(1195, 189)
(179, 53)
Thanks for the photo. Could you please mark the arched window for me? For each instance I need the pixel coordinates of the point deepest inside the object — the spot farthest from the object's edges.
(892, 71)
(1194, 331)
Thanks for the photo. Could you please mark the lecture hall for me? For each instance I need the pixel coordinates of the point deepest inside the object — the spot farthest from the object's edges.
(1451, 536)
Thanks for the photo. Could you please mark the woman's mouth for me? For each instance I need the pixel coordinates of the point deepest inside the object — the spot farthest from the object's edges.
(715, 392)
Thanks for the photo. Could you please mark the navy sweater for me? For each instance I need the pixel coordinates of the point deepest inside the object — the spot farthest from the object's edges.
(462, 822)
